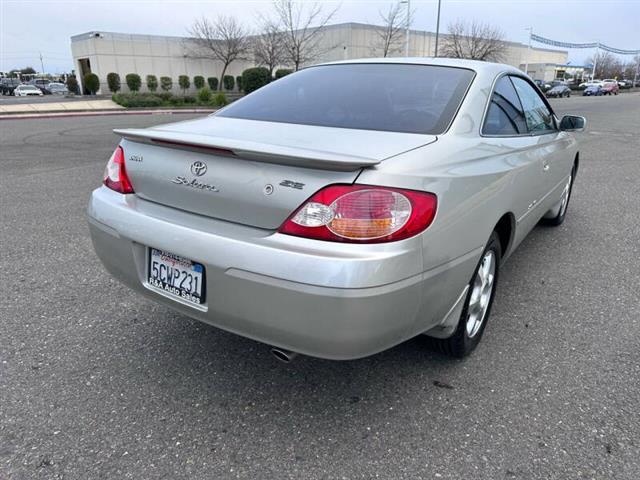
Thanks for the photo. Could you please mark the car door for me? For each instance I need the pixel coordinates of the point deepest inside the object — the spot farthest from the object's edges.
(550, 143)
(506, 132)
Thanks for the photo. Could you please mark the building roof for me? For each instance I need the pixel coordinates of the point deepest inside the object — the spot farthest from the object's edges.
(335, 26)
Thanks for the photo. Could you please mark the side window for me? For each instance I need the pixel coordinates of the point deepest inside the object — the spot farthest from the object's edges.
(505, 115)
(539, 118)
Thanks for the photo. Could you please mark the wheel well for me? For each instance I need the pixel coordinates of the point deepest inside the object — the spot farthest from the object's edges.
(504, 228)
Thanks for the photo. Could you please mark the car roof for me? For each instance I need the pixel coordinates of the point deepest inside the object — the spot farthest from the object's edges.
(478, 66)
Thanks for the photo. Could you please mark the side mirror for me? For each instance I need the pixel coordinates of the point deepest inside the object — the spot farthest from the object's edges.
(572, 123)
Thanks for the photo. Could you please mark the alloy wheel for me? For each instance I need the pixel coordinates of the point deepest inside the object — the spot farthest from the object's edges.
(565, 196)
(481, 292)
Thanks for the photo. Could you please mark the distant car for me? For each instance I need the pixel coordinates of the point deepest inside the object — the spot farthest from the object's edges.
(26, 90)
(592, 91)
(41, 83)
(8, 85)
(559, 91)
(542, 85)
(624, 84)
(55, 89)
(590, 83)
(610, 88)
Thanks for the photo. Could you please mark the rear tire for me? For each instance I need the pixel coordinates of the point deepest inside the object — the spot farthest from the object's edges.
(477, 306)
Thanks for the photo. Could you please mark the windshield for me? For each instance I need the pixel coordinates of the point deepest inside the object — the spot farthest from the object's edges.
(390, 97)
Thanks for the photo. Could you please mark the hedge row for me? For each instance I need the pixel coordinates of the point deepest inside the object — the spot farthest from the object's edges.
(134, 82)
(204, 98)
(250, 80)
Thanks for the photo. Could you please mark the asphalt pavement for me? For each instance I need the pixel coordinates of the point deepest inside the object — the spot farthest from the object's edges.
(97, 382)
(11, 100)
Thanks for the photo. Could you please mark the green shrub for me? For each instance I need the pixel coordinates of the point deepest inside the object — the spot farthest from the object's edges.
(133, 81)
(254, 78)
(152, 83)
(283, 72)
(239, 82)
(72, 84)
(92, 83)
(213, 83)
(198, 82)
(130, 100)
(165, 96)
(166, 83)
(204, 95)
(189, 99)
(113, 82)
(229, 82)
(184, 82)
(220, 99)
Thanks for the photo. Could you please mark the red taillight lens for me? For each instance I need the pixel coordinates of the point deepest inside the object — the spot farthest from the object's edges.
(115, 173)
(362, 214)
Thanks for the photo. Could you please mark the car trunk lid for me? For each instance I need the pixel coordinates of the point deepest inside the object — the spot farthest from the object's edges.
(250, 172)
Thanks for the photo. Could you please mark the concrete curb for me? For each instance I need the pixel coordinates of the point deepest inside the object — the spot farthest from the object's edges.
(95, 113)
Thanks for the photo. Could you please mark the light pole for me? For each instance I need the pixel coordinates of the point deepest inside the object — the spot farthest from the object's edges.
(437, 29)
(595, 62)
(408, 22)
(526, 62)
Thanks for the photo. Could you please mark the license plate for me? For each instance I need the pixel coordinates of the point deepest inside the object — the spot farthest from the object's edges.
(176, 275)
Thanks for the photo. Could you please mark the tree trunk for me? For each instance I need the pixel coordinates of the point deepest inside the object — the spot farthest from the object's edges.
(221, 84)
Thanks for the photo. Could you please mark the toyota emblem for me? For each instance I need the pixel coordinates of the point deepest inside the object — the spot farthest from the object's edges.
(198, 168)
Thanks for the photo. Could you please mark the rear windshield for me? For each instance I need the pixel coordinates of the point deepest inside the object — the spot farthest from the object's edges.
(390, 97)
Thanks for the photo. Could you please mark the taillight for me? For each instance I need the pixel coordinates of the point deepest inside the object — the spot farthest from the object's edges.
(115, 173)
(362, 214)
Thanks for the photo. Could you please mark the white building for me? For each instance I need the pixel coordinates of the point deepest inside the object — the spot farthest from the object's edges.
(105, 52)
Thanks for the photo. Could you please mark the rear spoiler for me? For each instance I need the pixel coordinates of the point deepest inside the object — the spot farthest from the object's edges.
(256, 151)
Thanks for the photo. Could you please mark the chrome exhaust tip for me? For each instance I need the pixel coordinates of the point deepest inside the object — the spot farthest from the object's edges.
(285, 356)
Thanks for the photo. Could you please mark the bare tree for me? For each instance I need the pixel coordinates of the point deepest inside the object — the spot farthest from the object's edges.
(303, 29)
(225, 40)
(394, 21)
(475, 40)
(268, 45)
(607, 65)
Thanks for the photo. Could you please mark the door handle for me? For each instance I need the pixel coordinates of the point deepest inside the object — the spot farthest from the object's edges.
(545, 166)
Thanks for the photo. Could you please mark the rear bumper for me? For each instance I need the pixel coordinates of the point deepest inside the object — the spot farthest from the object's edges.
(318, 298)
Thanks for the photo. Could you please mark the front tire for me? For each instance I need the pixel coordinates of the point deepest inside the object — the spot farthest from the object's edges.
(477, 306)
(564, 202)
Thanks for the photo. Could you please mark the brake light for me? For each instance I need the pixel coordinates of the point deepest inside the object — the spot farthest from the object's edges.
(362, 214)
(115, 173)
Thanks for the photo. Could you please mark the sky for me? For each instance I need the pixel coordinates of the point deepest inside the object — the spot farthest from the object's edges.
(29, 28)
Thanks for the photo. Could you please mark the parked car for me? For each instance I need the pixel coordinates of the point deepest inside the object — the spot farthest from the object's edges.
(55, 89)
(590, 83)
(593, 90)
(380, 211)
(26, 90)
(559, 91)
(609, 88)
(41, 83)
(542, 85)
(8, 85)
(624, 84)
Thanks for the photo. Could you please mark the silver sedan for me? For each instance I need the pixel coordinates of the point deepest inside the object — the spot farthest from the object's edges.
(341, 210)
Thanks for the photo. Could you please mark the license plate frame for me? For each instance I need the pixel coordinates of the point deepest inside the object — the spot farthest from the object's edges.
(196, 295)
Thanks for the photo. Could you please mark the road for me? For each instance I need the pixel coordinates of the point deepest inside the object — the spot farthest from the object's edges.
(11, 100)
(99, 383)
